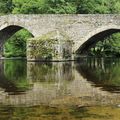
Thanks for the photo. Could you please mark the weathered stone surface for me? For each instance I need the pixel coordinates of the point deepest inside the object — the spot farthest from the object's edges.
(51, 46)
(79, 28)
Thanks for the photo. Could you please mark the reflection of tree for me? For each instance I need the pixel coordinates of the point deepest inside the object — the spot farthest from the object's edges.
(103, 72)
(14, 69)
(14, 76)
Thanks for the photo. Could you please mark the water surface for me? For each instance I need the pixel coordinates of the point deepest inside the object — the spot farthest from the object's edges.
(88, 89)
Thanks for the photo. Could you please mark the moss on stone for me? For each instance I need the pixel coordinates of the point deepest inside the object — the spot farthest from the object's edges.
(51, 46)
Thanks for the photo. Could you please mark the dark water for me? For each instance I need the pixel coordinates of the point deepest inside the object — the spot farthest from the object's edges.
(85, 90)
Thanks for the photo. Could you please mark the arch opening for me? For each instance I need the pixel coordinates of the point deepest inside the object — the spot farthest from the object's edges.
(92, 41)
(13, 41)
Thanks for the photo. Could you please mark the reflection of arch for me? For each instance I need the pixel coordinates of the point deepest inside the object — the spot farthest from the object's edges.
(100, 73)
(97, 35)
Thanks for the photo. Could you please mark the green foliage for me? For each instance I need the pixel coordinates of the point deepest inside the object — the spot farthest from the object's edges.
(110, 46)
(98, 6)
(65, 6)
(61, 7)
(5, 6)
(116, 7)
(15, 74)
(29, 6)
(43, 6)
(85, 6)
(16, 45)
(43, 47)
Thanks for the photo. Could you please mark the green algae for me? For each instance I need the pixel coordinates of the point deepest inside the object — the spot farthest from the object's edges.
(59, 113)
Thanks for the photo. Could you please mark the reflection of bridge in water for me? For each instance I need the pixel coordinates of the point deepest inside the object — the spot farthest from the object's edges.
(58, 83)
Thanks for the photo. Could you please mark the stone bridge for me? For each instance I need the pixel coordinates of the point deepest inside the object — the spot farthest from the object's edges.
(73, 33)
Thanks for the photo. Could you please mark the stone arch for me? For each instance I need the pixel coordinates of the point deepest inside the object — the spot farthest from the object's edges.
(7, 30)
(98, 34)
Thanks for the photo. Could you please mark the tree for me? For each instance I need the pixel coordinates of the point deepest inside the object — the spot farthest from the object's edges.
(29, 6)
(61, 7)
(110, 46)
(92, 6)
(5, 6)
(16, 45)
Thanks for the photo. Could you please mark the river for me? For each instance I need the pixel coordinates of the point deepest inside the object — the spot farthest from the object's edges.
(88, 89)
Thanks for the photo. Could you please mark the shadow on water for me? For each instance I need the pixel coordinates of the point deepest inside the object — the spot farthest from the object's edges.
(104, 72)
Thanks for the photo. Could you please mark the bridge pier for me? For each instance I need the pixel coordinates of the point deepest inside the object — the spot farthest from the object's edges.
(53, 46)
